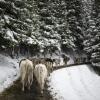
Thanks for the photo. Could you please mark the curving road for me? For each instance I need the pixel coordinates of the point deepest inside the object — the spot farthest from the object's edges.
(75, 83)
(72, 83)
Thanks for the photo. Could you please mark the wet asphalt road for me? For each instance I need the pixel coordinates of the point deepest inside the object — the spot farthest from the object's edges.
(15, 93)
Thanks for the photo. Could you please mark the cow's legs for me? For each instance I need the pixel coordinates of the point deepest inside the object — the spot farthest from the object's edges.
(23, 86)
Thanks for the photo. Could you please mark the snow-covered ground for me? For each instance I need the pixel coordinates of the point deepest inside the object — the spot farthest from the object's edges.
(74, 83)
(8, 71)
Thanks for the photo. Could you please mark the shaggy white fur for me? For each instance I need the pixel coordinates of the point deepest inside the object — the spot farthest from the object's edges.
(40, 72)
(26, 73)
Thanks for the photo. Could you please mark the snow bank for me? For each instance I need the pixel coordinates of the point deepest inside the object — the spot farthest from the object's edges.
(74, 83)
(8, 71)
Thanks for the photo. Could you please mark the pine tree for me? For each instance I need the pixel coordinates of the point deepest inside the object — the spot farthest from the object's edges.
(95, 56)
(75, 23)
(18, 22)
(91, 31)
(60, 20)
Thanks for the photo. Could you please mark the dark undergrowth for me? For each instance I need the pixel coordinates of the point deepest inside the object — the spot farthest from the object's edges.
(95, 69)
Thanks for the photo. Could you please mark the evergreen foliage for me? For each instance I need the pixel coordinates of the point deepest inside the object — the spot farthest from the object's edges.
(45, 26)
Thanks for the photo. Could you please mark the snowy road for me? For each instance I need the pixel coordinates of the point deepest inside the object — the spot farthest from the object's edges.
(9, 73)
(71, 83)
(75, 83)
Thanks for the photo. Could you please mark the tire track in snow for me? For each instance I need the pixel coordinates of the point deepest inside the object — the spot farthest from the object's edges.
(77, 92)
(75, 83)
(84, 84)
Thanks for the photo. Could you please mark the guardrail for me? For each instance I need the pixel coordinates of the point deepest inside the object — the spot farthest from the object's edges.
(64, 66)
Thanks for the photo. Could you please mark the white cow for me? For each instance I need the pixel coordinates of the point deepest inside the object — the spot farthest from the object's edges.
(41, 73)
(48, 63)
(26, 73)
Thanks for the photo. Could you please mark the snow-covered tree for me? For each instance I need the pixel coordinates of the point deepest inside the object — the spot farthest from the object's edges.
(29, 26)
(18, 22)
(60, 20)
(95, 56)
(91, 30)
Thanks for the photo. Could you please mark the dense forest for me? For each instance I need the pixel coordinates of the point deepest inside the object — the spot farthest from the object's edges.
(30, 27)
